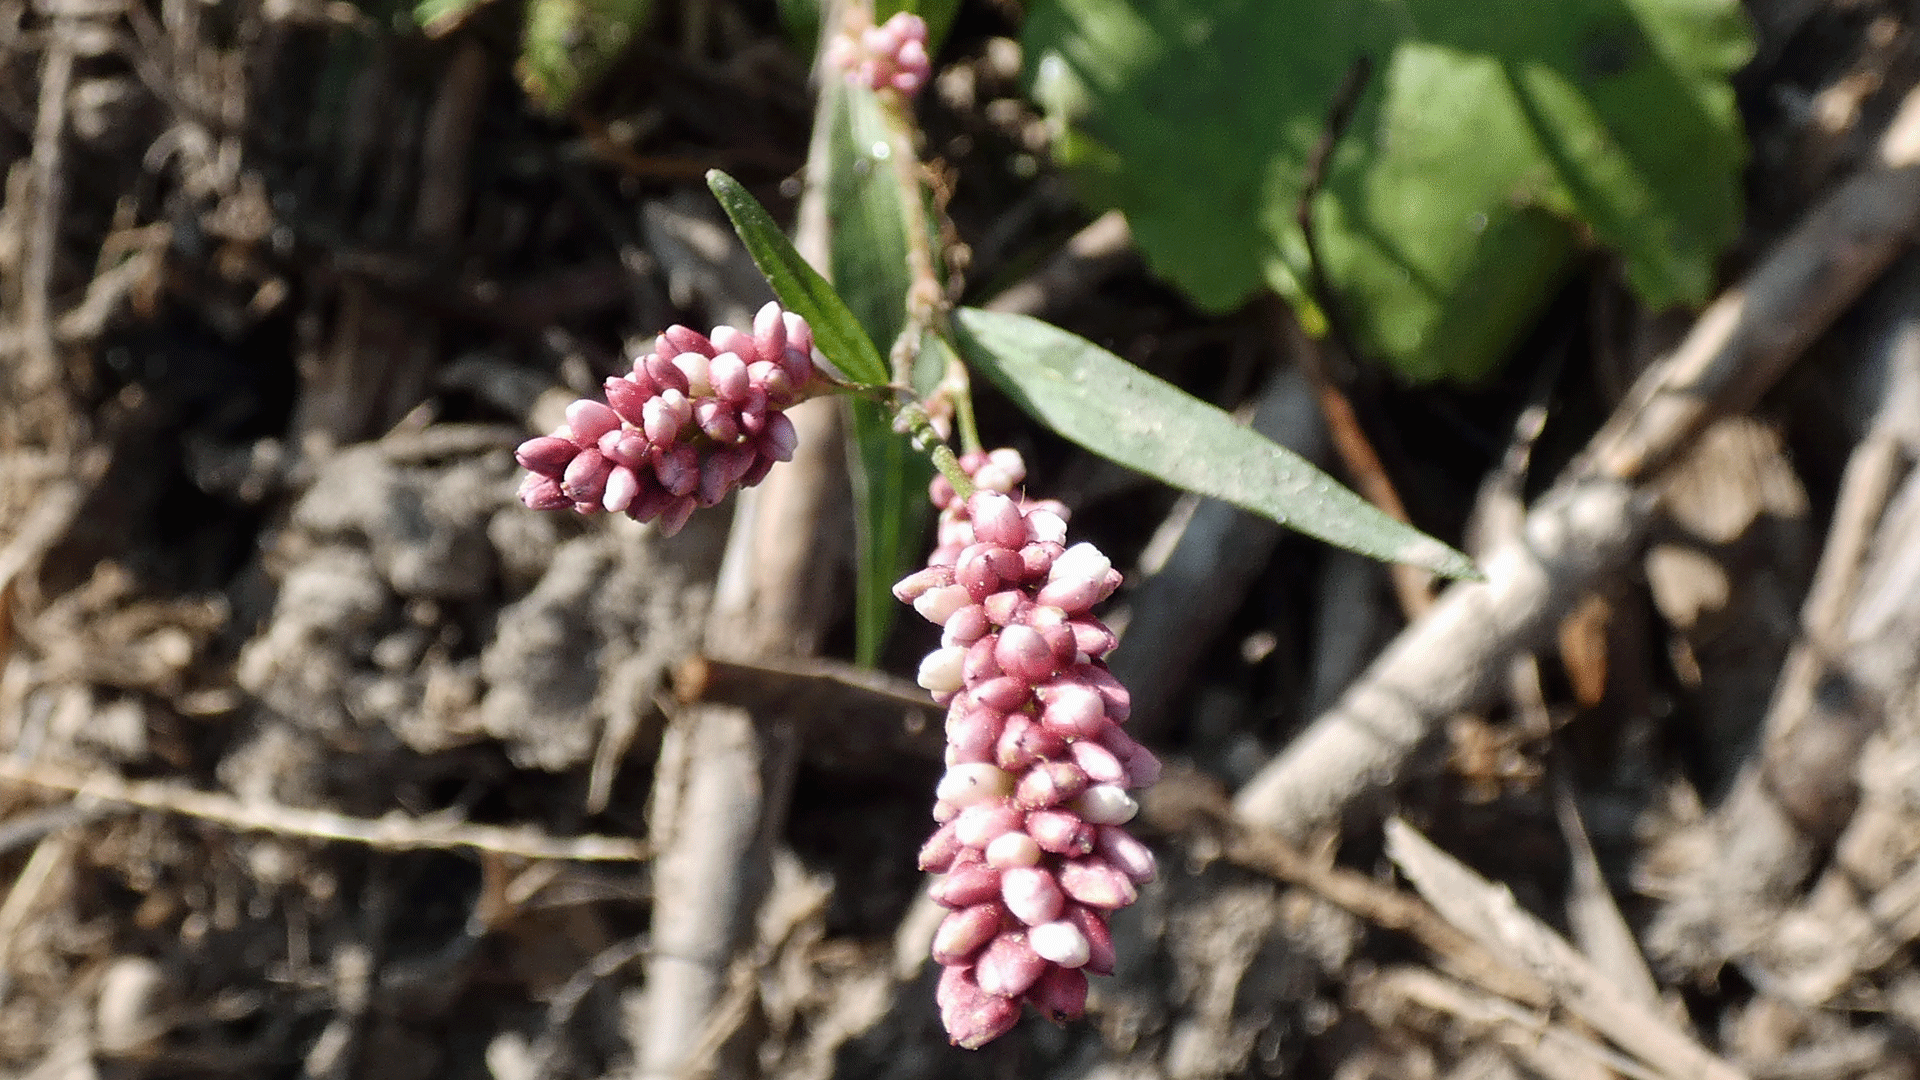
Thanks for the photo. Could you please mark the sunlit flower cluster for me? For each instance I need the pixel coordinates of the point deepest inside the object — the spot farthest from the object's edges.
(1031, 845)
(697, 417)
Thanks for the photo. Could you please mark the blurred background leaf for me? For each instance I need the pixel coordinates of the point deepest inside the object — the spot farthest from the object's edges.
(869, 260)
(1496, 138)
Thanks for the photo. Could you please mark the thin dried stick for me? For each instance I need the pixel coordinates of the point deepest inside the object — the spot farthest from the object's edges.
(1793, 798)
(722, 783)
(1488, 914)
(1184, 805)
(1590, 524)
(393, 832)
(49, 200)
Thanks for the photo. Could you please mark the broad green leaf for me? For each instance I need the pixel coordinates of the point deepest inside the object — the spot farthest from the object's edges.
(799, 286)
(1496, 138)
(1122, 413)
(570, 45)
(869, 263)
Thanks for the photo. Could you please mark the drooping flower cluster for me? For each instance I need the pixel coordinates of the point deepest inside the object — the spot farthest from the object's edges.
(1030, 845)
(697, 417)
(891, 55)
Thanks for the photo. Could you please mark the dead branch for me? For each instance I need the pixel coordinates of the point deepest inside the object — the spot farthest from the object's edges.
(1793, 798)
(722, 783)
(394, 832)
(1488, 914)
(1592, 521)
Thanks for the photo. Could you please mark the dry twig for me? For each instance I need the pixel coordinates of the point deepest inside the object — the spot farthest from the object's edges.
(393, 832)
(1487, 912)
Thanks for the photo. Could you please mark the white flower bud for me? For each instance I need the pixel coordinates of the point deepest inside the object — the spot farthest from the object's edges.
(969, 785)
(941, 671)
(1061, 942)
(1106, 804)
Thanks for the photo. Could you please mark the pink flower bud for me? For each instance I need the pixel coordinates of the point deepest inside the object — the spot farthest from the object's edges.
(972, 735)
(1093, 924)
(966, 886)
(980, 824)
(965, 932)
(547, 455)
(730, 339)
(1128, 855)
(1091, 638)
(1024, 654)
(622, 486)
(588, 420)
(966, 626)
(685, 339)
(965, 785)
(539, 492)
(663, 417)
(1023, 742)
(627, 398)
(586, 475)
(1098, 762)
(1031, 894)
(728, 373)
(1073, 710)
(1008, 966)
(1004, 693)
(1097, 883)
(938, 853)
(778, 440)
(1013, 849)
(940, 671)
(1006, 608)
(678, 470)
(937, 605)
(661, 369)
(770, 331)
(996, 520)
(1060, 994)
(1061, 832)
(910, 588)
(1049, 783)
(1106, 804)
(973, 1018)
(717, 419)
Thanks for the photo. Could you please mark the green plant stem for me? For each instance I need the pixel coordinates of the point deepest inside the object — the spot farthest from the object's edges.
(911, 419)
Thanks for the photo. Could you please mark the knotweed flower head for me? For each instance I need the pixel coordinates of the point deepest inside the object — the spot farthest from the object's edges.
(1031, 848)
(892, 55)
(697, 417)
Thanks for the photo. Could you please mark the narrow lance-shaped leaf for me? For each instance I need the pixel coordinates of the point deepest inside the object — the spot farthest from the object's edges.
(869, 267)
(836, 333)
(1122, 413)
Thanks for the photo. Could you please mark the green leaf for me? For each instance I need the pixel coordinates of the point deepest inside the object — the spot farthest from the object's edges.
(570, 45)
(865, 207)
(1495, 139)
(836, 332)
(1122, 413)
